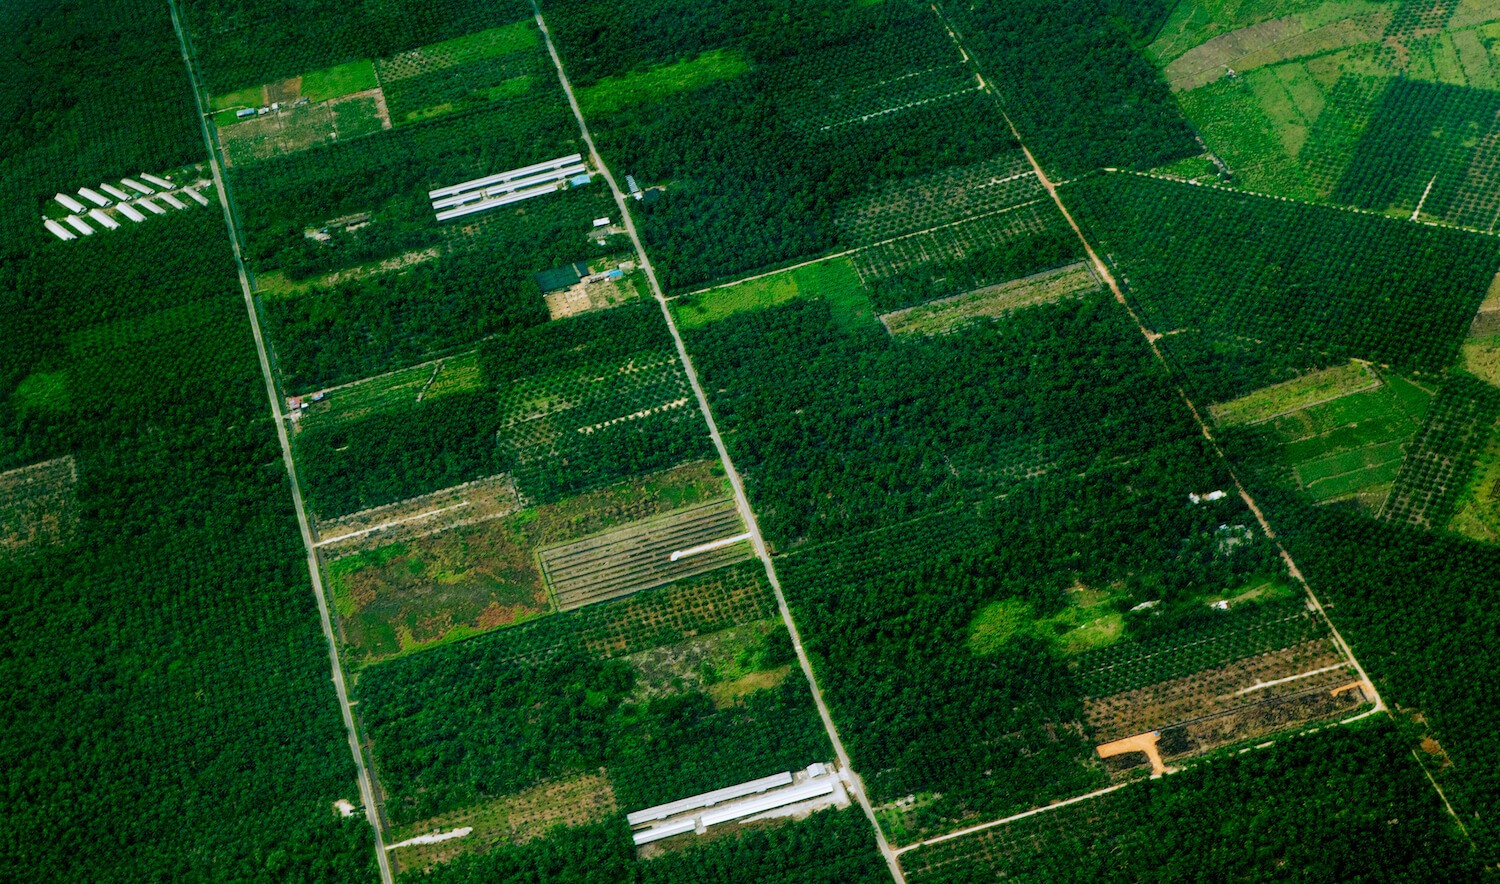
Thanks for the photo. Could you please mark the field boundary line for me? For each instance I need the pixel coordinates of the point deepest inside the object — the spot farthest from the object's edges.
(829, 256)
(939, 839)
(742, 502)
(1262, 685)
(324, 541)
(366, 783)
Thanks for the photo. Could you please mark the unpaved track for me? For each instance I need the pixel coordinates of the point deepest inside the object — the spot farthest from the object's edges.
(741, 501)
(366, 789)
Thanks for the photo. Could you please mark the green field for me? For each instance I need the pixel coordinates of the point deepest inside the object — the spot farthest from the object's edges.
(250, 96)
(1090, 619)
(646, 87)
(484, 44)
(1294, 395)
(345, 79)
(833, 279)
(396, 390)
(1352, 445)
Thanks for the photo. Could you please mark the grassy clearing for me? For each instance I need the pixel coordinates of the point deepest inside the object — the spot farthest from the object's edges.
(457, 583)
(939, 317)
(345, 79)
(648, 87)
(275, 284)
(1091, 619)
(1296, 394)
(1234, 126)
(727, 665)
(1351, 447)
(1480, 357)
(397, 390)
(834, 279)
(250, 96)
(46, 391)
(1478, 513)
(509, 819)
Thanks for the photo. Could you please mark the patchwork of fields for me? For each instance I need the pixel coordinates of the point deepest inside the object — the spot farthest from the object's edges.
(1129, 527)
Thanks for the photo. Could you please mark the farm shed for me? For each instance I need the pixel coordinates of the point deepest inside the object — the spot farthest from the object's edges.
(173, 201)
(115, 192)
(202, 200)
(69, 203)
(560, 278)
(151, 207)
(158, 180)
(60, 231)
(136, 186)
(93, 196)
(78, 224)
(103, 220)
(130, 212)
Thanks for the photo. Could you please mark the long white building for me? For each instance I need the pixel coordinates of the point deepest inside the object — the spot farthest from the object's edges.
(493, 191)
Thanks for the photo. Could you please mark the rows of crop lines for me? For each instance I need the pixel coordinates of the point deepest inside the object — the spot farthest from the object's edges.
(1360, 465)
(827, 131)
(1316, 801)
(145, 546)
(1357, 105)
(871, 534)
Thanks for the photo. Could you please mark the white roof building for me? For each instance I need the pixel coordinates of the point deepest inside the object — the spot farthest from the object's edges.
(157, 180)
(93, 196)
(70, 204)
(103, 220)
(115, 192)
(59, 231)
(151, 207)
(137, 186)
(172, 201)
(78, 224)
(129, 212)
(202, 200)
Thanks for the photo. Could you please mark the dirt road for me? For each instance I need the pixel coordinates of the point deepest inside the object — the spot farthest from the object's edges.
(366, 787)
(741, 501)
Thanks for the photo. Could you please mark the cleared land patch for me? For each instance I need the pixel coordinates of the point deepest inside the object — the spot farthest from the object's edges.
(38, 504)
(440, 586)
(465, 504)
(1296, 394)
(945, 315)
(498, 64)
(510, 819)
(834, 279)
(276, 284)
(393, 391)
(939, 198)
(612, 94)
(640, 556)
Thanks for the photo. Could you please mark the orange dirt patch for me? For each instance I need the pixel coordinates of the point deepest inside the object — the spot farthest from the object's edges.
(1139, 743)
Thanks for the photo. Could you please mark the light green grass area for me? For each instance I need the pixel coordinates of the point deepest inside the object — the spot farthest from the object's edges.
(1478, 513)
(42, 391)
(250, 96)
(1480, 357)
(834, 279)
(1230, 119)
(396, 390)
(942, 316)
(646, 87)
(495, 41)
(1298, 393)
(345, 79)
(1090, 620)
(1194, 23)
(1352, 446)
(1257, 591)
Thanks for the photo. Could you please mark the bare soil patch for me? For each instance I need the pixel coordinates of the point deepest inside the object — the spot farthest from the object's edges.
(466, 504)
(38, 504)
(947, 314)
(285, 91)
(587, 297)
(512, 819)
(1140, 743)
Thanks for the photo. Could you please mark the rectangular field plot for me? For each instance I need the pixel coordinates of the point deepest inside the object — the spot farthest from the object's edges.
(945, 315)
(1296, 394)
(645, 554)
(939, 198)
(460, 562)
(38, 505)
(833, 279)
(1443, 455)
(509, 819)
(492, 65)
(393, 391)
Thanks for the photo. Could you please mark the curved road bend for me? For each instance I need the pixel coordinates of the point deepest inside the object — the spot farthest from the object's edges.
(743, 503)
(366, 789)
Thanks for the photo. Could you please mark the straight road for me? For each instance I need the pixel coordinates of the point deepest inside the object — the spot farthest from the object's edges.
(366, 787)
(741, 501)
